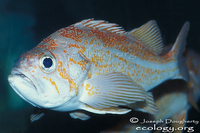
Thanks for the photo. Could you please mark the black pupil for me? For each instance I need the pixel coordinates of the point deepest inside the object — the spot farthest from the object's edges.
(47, 62)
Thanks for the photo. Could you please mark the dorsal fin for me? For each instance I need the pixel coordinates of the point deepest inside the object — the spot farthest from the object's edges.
(150, 35)
(100, 25)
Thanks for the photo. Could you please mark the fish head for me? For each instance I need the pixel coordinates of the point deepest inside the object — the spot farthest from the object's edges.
(40, 77)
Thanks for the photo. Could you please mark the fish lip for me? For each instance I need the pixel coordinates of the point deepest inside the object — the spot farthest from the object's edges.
(23, 75)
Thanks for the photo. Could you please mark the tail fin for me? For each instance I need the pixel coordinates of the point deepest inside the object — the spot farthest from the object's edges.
(193, 90)
(177, 53)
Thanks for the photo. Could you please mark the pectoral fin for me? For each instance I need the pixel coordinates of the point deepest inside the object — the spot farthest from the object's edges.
(106, 92)
(79, 115)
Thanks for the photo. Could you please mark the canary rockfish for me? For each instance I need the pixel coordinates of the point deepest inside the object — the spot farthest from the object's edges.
(96, 66)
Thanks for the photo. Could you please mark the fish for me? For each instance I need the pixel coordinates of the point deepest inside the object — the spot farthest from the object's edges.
(173, 102)
(96, 66)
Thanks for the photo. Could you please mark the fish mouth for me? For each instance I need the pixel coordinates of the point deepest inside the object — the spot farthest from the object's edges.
(24, 85)
(15, 72)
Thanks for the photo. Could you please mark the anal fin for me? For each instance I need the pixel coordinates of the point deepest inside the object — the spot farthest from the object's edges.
(111, 110)
(79, 115)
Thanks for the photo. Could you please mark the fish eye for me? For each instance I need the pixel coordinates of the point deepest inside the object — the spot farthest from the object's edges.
(47, 63)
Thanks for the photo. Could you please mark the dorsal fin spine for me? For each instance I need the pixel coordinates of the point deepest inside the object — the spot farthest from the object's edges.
(92, 23)
(101, 25)
(95, 25)
(86, 21)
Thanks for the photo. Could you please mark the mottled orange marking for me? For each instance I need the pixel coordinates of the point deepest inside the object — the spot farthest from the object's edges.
(119, 42)
(120, 58)
(52, 45)
(82, 64)
(66, 52)
(87, 86)
(106, 39)
(72, 32)
(81, 48)
(35, 67)
(73, 45)
(37, 51)
(104, 66)
(128, 74)
(90, 90)
(89, 75)
(29, 56)
(40, 54)
(138, 71)
(64, 74)
(40, 47)
(74, 86)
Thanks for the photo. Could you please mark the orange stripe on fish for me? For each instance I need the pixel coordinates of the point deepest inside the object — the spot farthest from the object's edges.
(53, 83)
